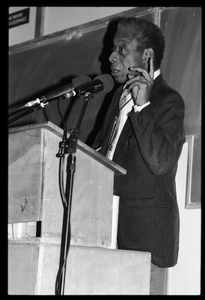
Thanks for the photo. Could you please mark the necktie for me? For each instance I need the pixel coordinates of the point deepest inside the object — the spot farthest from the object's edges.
(125, 105)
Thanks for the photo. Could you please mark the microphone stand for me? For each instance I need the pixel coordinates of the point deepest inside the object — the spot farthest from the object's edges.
(68, 146)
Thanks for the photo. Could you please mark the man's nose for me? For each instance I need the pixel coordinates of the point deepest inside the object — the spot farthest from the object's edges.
(113, 57)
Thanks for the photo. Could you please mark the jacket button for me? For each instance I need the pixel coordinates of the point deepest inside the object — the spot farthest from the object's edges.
(141, 119)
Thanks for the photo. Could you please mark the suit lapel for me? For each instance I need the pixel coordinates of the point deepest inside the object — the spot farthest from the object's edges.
(127, 129)
(109, 121)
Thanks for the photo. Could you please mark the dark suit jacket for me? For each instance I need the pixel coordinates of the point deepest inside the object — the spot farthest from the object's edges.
(148, 148)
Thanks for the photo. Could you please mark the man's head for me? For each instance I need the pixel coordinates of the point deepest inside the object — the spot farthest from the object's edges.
(135, 42)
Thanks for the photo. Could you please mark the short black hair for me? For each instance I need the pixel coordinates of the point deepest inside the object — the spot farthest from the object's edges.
(147, 35)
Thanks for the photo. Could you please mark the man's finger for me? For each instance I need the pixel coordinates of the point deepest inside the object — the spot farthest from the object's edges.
(141, 70)
(132, 80)
(151, 71)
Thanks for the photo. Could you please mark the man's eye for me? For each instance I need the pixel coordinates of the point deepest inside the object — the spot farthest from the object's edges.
(122, 50)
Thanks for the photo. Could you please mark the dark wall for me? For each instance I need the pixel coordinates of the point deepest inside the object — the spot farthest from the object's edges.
(182, 70)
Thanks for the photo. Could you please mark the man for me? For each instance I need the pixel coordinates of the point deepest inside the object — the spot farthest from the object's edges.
(143, 132)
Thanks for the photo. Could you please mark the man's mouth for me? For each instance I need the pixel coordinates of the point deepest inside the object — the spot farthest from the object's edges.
(114, 71)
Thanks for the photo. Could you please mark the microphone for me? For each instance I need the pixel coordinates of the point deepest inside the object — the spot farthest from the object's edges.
(100, 83)
(60, 91)
(68, 87)
(80, 85)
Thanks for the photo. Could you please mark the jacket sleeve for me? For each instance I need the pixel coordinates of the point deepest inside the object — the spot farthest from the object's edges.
(160, 133)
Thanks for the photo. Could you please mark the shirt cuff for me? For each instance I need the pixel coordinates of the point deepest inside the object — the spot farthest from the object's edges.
(140, 107)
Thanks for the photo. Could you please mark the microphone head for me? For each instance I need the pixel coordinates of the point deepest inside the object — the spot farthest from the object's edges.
(92, 86)
(107, 81)
(80, 80)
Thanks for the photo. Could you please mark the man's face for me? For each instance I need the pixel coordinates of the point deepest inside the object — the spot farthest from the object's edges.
(124, 56)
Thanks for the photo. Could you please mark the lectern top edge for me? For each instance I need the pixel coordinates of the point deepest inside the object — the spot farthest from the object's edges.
(118, 170)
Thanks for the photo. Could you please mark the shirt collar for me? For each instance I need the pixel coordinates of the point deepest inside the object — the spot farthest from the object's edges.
(157, 73)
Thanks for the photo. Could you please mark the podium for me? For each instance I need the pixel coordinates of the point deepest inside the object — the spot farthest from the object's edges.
(94, 266)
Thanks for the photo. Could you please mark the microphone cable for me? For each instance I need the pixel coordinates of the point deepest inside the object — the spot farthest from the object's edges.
(61, 155)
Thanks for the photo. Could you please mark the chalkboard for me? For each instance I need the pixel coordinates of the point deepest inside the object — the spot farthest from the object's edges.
(43, 68)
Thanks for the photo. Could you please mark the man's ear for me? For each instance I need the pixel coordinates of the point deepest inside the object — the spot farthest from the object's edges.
(147, 54)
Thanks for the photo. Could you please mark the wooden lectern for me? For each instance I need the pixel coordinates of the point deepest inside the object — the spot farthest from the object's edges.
(94, 265)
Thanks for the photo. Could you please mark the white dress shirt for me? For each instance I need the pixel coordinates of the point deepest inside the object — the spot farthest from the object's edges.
(120, 121)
